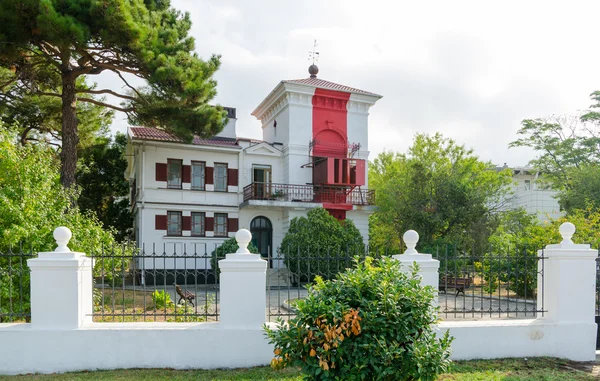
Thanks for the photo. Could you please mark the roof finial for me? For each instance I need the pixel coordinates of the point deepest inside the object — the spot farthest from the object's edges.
(313, 69)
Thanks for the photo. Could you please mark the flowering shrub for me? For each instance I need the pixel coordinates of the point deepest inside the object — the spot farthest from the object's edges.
(372, 322)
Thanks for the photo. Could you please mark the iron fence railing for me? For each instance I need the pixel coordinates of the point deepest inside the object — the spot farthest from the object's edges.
(179, 283)
(490, 285)
(14, 286)
(173, 283)
(471, 287)
(308, 193)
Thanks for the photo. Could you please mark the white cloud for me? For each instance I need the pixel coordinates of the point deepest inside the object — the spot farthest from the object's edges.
(469, 69)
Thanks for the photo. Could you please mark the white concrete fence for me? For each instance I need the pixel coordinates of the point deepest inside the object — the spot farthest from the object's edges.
(62, 337)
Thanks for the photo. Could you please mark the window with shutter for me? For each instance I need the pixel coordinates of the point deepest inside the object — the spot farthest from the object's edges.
(198, 226)
(174, 223)
(174, 173)
(198, 175)
(220, 224)
(220, 177)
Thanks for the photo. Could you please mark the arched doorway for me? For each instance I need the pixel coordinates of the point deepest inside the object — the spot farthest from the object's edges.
(262, 235)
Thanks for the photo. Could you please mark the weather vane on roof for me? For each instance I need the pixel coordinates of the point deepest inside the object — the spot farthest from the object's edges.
(314, 55)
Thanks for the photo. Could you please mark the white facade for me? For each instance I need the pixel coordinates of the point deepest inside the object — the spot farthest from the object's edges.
(281, 162)
(531, 196)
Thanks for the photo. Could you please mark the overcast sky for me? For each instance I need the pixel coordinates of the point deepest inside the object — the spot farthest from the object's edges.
(471, 70)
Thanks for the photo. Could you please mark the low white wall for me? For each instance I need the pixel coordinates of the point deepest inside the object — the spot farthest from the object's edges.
(131, 345)
(521, 338)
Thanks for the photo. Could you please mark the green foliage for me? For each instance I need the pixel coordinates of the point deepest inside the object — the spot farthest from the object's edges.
(228, 246)
(33, 204)
(319, 244)
(440, 189)
(583, 191)
(46, 46)
(104, 190)
(161, 299)
(372, 322)
(519, 236)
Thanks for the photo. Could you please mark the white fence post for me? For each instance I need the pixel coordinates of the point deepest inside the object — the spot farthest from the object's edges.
(243, 284)
(428, 267)
(568, 293)
(61, 286)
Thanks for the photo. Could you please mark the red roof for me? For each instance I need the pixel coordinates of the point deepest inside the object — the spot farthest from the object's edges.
(149, 133)
(323, 84)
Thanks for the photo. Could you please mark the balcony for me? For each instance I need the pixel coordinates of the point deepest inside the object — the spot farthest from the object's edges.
(308, 193)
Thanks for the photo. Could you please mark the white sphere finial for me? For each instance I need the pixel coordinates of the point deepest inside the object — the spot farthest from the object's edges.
(62, 235)
(566, 231)
(243, 238)
(411, 238)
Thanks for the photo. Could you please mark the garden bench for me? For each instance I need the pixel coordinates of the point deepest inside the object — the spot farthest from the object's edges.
(457, 283)
(187, 296)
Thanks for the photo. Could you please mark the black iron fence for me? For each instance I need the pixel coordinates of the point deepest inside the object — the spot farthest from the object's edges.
(180, 283)
(170, 283)
(490, 285)
(471, 287)
(14, 286)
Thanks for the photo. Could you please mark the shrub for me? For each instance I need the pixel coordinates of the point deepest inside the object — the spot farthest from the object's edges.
(161, 299)
(227, 247)
(318, 244)
(372, 322)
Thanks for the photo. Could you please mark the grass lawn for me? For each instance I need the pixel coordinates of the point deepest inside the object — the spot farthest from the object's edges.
(545, 369)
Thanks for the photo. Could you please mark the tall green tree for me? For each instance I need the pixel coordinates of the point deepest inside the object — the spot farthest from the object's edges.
(563, 143)
(568, 149)
(50, 44)
(104, 189)
(439, 188)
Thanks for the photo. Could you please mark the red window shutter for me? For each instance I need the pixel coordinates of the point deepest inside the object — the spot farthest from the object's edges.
(161, 172)
(210, 224)
(232, 224)
(208, 179)
(232, 177)
(160, 222)
(186, 223)
(186, 174)
(360, 172)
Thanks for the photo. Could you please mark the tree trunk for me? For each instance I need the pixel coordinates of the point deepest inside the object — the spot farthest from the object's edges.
(70, 137)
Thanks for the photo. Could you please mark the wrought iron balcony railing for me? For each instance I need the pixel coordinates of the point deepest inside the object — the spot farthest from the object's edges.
(308, 193)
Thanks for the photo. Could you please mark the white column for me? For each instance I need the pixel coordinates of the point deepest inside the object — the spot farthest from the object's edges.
(567, 292)
(243, 286)
(61, 286)
(428, 267)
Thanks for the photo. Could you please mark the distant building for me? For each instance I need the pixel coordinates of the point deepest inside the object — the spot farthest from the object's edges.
(529, 195)
(314, 153)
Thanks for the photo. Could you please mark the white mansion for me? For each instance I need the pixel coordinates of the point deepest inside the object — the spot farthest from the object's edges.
(314, 153)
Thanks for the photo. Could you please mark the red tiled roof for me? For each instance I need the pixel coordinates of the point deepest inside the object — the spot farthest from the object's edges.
(323, 84)
(149, 133)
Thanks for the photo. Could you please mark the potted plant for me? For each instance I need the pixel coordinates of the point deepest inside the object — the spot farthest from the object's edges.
(278, 194)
